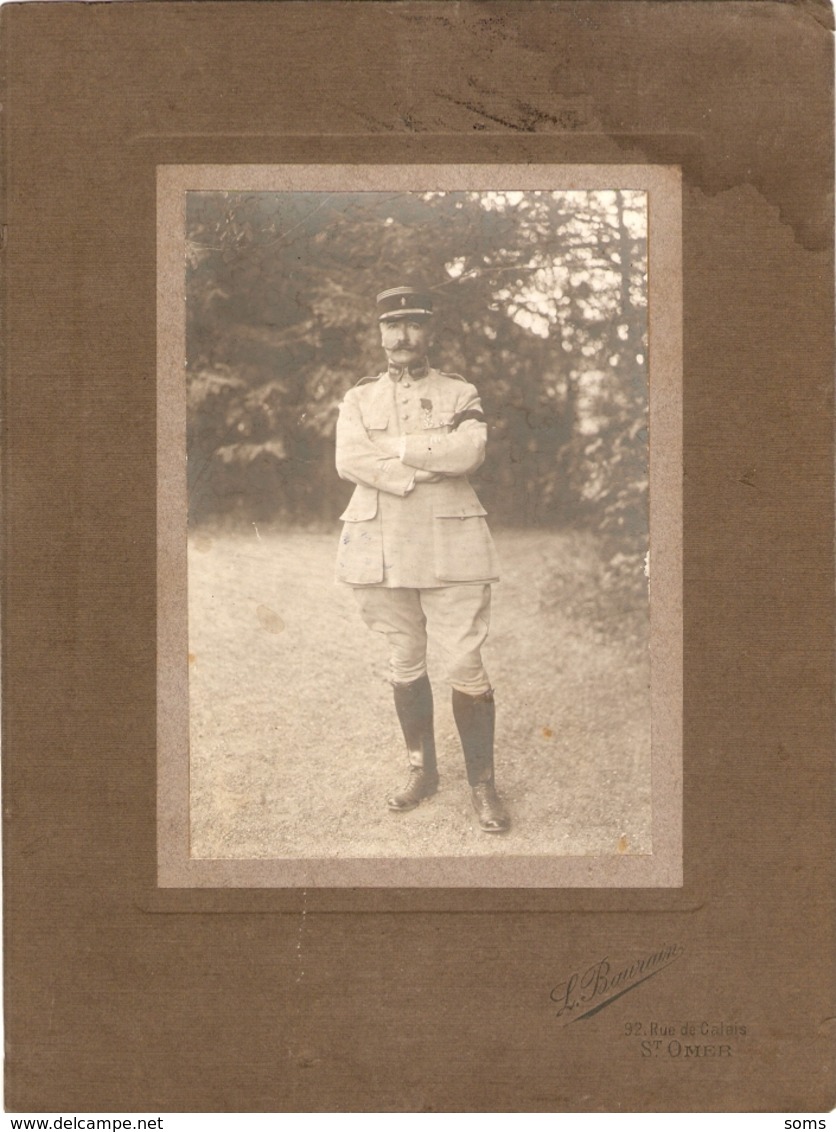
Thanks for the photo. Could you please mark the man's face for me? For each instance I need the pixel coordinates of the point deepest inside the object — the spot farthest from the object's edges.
(405, 340)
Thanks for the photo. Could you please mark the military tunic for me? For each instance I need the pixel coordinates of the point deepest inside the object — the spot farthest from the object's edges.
(398, 533)
(418, 554)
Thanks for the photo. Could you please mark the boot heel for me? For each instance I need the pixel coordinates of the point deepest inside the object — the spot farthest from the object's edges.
(492, 815)
(421, 784)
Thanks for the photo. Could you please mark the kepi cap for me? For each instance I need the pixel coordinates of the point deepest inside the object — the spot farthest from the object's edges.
(404, 302)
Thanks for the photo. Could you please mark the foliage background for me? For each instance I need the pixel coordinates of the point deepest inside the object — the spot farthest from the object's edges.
(542, 305)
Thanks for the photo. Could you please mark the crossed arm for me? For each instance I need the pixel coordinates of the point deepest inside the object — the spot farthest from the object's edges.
(397, 465)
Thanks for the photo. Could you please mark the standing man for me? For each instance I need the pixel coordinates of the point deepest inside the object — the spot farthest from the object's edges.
(415, 545)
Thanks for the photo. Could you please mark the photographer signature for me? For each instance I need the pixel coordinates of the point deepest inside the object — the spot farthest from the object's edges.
(586, 992)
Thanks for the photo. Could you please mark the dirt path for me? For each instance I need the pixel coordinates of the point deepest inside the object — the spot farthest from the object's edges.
(294, 741)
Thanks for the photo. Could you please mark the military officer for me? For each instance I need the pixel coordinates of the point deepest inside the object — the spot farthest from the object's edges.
(415, 545)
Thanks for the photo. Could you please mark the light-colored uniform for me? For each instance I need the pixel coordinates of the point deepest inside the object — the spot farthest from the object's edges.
(417, 551)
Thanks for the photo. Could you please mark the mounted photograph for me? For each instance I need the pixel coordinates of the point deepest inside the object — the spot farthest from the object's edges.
(420, 526)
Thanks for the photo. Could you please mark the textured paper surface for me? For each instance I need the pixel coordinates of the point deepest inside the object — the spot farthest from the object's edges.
(124, 996)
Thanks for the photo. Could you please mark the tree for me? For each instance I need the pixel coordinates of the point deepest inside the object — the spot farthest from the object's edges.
(542, 304)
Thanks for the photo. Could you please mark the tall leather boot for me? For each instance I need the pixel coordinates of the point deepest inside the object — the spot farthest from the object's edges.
(475, 718)
(414, 705)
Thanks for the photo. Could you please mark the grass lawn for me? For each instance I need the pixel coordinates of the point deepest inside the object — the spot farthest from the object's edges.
(294, 739)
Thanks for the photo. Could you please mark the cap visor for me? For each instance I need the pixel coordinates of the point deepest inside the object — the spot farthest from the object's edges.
(391, 316)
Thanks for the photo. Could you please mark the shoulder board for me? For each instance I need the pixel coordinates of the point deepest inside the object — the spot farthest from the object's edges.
(455, 376)
(366, 380)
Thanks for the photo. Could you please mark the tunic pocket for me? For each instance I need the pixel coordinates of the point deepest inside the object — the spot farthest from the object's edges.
(441, 421)
(362, 505)
(377, 420)
(464, 549)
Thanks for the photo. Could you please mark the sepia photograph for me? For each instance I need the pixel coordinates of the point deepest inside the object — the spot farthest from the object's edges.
(418, 524)
(418, 591)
